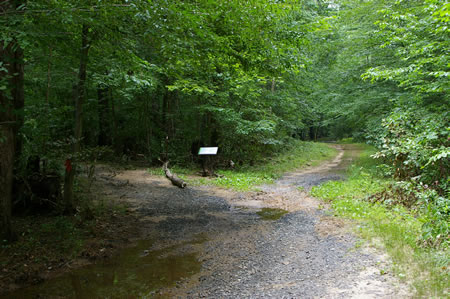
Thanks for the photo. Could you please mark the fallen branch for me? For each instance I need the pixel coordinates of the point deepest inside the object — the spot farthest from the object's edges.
(172, 177)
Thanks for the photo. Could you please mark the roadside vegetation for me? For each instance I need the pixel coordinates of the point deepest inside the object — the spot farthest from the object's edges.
(294, 155)
(50, 244)
(411, 232)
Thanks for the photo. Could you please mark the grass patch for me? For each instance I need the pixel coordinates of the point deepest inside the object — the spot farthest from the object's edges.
(271, 214)
(296, 155)
(348, 140)
(397, 228)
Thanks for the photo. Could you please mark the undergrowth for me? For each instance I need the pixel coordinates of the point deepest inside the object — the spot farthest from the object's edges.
(42, 239)
(243, 178)
(51, 241)
(401, 230)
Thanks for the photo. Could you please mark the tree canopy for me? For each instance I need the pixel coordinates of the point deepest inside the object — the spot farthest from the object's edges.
(124, 79)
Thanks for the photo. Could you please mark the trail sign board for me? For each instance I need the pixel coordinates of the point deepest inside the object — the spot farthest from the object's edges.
(205, 151)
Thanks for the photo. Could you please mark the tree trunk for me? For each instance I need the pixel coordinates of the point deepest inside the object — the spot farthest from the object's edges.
(11, 102)
(104, 136)
(78, 99)
(18, 96)
(114, 121)
(311, 133)
(6, 176)
(148, 126)
(165, 105)
(49, 76)
(168, 111)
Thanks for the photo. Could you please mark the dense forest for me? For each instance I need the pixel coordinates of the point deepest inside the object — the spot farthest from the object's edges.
(149, 80)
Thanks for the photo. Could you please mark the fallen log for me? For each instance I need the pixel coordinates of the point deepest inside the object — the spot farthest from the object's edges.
(172, 177)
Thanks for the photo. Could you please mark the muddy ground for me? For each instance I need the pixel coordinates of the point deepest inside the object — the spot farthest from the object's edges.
(231, 249)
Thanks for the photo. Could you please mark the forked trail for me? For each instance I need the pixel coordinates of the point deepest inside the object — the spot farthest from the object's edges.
(215, 243)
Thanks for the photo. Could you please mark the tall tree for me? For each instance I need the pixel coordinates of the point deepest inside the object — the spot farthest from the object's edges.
(11, 104)
(78, 96)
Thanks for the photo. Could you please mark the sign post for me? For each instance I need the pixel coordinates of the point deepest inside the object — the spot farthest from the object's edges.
(205, 153)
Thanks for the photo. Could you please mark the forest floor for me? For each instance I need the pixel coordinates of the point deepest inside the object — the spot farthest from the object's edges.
(211, 242)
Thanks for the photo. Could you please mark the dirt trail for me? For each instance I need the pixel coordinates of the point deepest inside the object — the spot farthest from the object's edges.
(306, 253)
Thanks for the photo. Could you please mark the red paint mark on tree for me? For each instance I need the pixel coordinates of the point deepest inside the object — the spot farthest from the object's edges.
(68, 165)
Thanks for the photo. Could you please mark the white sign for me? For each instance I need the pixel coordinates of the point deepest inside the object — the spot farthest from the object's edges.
(208, 151)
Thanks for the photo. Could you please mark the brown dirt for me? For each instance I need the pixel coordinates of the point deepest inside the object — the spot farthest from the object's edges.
(332, 226)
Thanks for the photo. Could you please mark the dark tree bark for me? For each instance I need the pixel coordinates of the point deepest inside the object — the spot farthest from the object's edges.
(164, 112)
(148, 116)
(11, 119)
(6, 171)
(18, 96)
(114, 121)
(49, 76)
(167, 118)
(104, 136)
(78, 99)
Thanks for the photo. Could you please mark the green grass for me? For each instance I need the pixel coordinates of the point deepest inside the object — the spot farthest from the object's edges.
(299, 154)
(346, 140)
(241, 181)
(397, 228)
(271, 214)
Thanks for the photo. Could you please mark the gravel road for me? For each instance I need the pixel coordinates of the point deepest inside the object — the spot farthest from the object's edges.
(307, 253)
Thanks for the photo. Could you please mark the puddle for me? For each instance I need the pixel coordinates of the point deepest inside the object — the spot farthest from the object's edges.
(134, 273)
(271, 214)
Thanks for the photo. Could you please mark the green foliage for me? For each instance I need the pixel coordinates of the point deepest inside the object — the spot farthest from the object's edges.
(386, 85)
(416, 143)
(377, 56)
(414, 136)
(222, 73)
(415, 146)
(418, 33)
(401, 231)
(435, 217)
